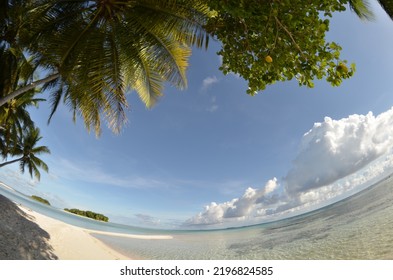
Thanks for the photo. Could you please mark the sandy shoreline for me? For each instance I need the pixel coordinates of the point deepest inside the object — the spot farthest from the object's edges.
(26, 234)
(71, 242)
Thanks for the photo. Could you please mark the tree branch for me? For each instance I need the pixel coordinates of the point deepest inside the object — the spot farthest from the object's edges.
(290, 35)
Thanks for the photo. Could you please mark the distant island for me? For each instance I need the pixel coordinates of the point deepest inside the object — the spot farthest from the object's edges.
(40, 199)
(88, 214)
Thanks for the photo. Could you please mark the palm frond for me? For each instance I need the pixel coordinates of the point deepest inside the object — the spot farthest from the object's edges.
(362, 9)
(101, 54)
(29, 149)
(55, 99)
(147, 82)
(39, 163)
(183, 20)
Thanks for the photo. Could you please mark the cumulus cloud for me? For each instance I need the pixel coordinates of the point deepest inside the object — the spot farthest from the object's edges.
(240, 208)
(334, 149)
(251, 198)
(208, 82)
(336, 158)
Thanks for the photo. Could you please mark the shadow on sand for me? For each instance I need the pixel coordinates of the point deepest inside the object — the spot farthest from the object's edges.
(20, 238)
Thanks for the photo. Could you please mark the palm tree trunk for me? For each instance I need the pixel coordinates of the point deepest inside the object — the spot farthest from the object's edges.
(24, 89)
(9, 162)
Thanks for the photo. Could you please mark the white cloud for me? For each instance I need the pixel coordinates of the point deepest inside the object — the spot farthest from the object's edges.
(336, 158)
(212, 103)
(208, 82)
(212, 214)
(240, 208)
(335, 149)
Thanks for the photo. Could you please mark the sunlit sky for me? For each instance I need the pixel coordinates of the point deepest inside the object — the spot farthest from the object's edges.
(212, 156)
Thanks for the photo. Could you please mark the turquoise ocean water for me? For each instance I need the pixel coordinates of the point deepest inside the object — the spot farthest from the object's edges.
(358, 227)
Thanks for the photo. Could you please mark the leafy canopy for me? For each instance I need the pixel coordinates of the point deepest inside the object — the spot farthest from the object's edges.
(94, 52)
(278, 40)
(103, 49)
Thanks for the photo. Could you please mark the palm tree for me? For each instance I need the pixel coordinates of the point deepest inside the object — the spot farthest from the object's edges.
(15, 115)
(17, 70)
(93, 52)
(14, 119)
(96, 51)
(26, 151)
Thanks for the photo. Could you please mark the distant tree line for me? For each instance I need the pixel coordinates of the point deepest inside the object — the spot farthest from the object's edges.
(40, 199)
(88, 214)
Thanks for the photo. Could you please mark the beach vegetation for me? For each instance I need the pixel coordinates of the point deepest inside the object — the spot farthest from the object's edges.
(14, 119)
(292, 32)
(40, 199)
(25, 150)
(95, 51)
(88, 54)
(88, 214)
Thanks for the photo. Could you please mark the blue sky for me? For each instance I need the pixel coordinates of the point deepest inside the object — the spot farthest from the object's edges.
(213, 156)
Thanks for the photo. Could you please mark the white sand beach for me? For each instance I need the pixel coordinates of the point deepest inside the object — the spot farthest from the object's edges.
(26, 234)
(71, 242)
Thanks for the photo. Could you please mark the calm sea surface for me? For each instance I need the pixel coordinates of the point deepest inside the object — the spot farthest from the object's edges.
(359, 227)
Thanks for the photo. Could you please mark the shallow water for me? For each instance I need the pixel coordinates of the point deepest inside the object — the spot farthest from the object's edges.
(359, 227)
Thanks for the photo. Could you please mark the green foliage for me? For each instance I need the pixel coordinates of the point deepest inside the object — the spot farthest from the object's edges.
(26, 151)
(88, 214)
(290, 32)
(15, 68)
(96, 51)
(40, 199)
(362, 9)
(104, 49)
(18, 135)
(14, 121)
